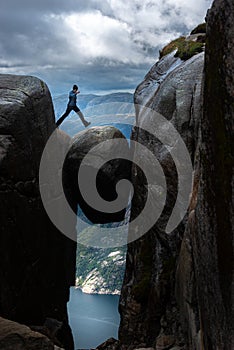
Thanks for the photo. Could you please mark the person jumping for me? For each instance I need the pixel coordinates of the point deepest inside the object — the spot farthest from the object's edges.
(71, 106)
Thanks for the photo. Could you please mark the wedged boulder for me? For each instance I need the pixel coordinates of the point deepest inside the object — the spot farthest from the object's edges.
(105, 159)
(37, 262)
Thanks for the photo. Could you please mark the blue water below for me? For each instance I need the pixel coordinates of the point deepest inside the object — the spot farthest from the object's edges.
(93, 318)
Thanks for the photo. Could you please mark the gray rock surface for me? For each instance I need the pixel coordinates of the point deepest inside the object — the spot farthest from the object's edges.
(213, 241)
(177, 98)
(181, 285)
(15, 336)
(37, 263)
(205, 272)
(109, 174)
(148, 306)
(147, 88)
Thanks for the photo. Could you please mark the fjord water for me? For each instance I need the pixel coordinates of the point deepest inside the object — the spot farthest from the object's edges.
(93, 318)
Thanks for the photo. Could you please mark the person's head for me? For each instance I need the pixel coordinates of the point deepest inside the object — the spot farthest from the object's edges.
(75, 88)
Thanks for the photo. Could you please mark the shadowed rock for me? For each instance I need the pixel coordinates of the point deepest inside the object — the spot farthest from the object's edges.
(108, 175)
(205, 271)
(147, 305)
(37, 263)
(17, 336)
(200, 271)
(213, 241)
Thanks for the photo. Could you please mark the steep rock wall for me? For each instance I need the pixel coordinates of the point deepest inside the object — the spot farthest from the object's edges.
(213, 241)
(205, 282)
(178, 289)
(149, 312)
(37, 262)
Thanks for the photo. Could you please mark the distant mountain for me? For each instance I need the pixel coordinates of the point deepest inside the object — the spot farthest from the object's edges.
(100, 271)
(112, 109)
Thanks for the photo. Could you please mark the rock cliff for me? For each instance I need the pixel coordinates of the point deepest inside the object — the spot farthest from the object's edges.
(213, 222)
(205, 269)
(148, 306)
(37, 261)
(178, 287)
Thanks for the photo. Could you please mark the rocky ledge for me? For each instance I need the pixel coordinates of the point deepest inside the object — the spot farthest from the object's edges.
(19, 337)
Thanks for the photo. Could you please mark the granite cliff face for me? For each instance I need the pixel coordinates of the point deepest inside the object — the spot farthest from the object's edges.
(213, 241)
(205, 269)
(37, 261)
(148, 306)
(178, 287)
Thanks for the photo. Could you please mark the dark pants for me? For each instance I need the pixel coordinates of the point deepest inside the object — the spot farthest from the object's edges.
(68, 111)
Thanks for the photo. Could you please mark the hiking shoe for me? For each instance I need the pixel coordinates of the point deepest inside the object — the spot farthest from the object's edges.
(87, 124)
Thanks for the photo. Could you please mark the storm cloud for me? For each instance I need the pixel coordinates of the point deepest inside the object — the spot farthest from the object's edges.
(102, 45)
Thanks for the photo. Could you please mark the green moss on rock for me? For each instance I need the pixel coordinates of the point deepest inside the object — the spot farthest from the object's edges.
(185, 48)
(173, 45)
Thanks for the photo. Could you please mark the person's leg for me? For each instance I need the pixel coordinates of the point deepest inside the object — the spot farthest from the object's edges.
(82, 118)
(61, 119)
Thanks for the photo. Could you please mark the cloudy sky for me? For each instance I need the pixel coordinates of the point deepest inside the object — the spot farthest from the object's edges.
(101, 45)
